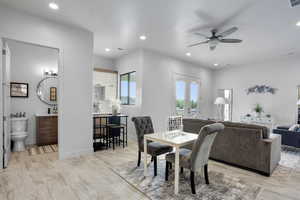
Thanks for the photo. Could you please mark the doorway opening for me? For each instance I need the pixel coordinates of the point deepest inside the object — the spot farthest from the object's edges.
(29, 103)
(187, 93)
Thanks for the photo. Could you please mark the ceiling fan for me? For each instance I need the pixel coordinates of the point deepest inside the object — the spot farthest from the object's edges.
(217, 38)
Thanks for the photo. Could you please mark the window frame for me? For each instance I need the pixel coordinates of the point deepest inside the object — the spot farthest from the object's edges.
(128, 86)
(188, 81)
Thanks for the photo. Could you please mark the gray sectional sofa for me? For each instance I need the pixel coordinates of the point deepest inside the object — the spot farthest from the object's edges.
(244, 145)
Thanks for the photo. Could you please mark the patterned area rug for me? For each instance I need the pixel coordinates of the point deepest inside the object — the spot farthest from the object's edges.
(37, 150)
(221, 187)
(290, 157)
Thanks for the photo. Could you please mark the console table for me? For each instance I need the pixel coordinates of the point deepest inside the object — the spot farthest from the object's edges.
(263, 121)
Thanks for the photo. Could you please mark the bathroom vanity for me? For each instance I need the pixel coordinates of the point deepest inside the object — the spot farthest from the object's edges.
(46, 124)
(46, 129)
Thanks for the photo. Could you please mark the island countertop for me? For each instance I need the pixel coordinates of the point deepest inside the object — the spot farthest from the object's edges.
(108, 115)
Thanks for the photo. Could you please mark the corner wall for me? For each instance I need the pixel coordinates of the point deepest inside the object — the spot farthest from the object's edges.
(103, 63)
(75, 73)
(128, 63)
(155, 86)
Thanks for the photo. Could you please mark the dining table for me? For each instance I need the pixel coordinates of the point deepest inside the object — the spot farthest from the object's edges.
(177, 139)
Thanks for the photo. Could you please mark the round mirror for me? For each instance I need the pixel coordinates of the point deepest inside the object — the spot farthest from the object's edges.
(47, 90)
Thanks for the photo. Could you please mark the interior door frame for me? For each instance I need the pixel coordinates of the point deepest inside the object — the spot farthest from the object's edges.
(6, 103)
(190, 79)
(221, 90)
(1, 110)
(60, 59)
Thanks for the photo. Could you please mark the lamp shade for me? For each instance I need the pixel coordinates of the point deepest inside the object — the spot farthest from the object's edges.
(298, 102)
(220, 101)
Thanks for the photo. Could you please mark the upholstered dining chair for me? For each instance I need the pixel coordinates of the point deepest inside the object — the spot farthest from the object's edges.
(197, 157)
(143, 126)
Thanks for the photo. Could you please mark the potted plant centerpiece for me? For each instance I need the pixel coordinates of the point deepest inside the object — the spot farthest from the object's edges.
(258, 110)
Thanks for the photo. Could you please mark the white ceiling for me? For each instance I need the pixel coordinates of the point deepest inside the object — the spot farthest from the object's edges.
(268, 27)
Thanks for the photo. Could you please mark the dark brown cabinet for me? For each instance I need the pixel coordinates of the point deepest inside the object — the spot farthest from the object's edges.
(46, 130)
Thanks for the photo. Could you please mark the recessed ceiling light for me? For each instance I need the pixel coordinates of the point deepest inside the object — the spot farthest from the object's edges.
(188, 54)
(143, 37)
(216, 64)
(107, 49)
(298, 23)
(53, 6)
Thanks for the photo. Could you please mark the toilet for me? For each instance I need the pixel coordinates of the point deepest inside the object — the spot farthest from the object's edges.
(19, 133)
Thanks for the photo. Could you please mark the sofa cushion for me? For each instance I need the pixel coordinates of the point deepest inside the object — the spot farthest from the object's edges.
(194, 125)
(265, 130)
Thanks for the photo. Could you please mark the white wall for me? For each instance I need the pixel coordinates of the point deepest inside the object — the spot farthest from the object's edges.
(103, 63)
(159, 87)
(155, 86)
(75, 80)
(128, 63)
(27, 64)
(283, 75)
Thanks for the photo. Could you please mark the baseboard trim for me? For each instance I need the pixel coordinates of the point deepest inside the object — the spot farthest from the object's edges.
(66, 155)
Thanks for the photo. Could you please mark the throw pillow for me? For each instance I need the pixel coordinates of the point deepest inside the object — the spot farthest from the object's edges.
(294, 127)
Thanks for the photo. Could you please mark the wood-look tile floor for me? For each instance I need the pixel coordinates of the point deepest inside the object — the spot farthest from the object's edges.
(92, 177)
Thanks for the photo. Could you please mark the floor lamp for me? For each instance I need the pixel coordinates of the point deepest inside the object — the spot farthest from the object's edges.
(220, 101)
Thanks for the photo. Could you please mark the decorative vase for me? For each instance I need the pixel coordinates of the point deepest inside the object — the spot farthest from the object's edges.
(114, 111)
(257, 114)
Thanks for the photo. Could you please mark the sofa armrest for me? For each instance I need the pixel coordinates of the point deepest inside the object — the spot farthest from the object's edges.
(284, 131)
(272, 147)
(283, 127)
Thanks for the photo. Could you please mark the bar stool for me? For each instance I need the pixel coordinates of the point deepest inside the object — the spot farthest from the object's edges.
(115, 131)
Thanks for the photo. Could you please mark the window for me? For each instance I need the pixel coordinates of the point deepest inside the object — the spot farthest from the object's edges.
(187, 96)
(194, 88)
(180, 97)
(128, 88)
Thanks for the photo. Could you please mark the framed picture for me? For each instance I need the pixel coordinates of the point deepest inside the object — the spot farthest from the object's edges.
(19, 89)
(53, 94)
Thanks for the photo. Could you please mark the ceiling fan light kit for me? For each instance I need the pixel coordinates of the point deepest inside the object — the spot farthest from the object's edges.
(217, 38)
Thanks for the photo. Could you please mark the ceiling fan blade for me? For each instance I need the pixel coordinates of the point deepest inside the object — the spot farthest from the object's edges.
(196, 44)
(228, 32)
(203, 35)
(230, 40)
